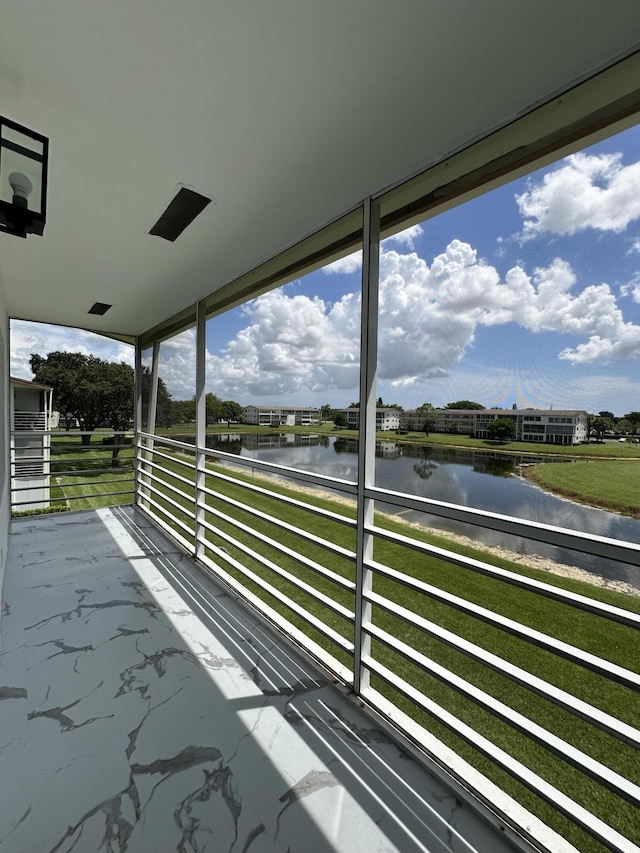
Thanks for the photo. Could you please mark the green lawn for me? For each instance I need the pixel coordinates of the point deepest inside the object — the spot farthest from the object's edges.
(615, 643)
(88, 485)
(611, 484)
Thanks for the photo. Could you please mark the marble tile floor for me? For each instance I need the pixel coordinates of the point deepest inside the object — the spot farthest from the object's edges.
(143, 709)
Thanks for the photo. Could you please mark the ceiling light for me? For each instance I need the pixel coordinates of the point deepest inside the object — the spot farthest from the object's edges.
(24, 158)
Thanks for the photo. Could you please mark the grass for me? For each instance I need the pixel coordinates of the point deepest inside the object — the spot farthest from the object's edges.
(613, 485)
(594, 634)
(88, 480)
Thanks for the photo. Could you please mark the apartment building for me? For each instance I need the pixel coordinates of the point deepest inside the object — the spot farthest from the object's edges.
(386, 418)
(547, 426)
(281, 415)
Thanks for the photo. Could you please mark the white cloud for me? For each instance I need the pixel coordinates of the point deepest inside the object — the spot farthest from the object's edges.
(586, 191)
(406, 237)
(41, 338)
(428, 320)
(635, 247)
(350, 263)
(632, 289)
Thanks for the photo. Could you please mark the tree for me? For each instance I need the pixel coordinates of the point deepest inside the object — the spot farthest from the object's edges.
(90, 389)
(601, 425)
(634, 419)
(232, 411)
(215, 410)
(624, 426)
(326, 412)
(501, 429)
(608, 415)
(464, 404)
(340, 419)
(427, 410)
(181, 411)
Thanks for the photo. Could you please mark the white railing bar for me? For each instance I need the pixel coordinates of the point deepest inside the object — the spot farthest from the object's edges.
(325, 513)
(171, 442)
(188, 481)
(585, 763)
(174, 489)
(606, 722)
(283, 525)
(607, 611)
(573, 810)
(308, 617)
(161, 494)
(345, 583)
(341, 519)
(334, 548)
(329, 602)
(283, 624)
(599, 546)
(596, 664)
(179, 460)
(174, 519)
(331, 483)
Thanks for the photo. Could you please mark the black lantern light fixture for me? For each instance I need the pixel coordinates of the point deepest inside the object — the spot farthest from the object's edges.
(24, 158)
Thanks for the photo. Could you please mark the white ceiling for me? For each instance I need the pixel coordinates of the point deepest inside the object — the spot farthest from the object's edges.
(288, 112)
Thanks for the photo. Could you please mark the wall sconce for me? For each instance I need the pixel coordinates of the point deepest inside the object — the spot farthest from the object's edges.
(24, 156)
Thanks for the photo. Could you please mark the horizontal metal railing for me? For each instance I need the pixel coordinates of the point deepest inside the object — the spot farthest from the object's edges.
(293, 558)
(54, 469)
(30, 421)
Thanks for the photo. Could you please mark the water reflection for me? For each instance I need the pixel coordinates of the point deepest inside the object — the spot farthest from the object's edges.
(484, 480)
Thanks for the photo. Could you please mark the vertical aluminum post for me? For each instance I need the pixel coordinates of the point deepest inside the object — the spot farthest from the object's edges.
(201, 425)
(137, 421)
(147, 455)
(367, 435)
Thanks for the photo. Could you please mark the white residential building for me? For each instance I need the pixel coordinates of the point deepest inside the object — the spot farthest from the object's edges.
(547, 426)
(386, 418)
(281, 415)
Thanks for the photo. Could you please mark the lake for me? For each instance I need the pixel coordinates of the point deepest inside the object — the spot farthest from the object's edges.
(481, 479)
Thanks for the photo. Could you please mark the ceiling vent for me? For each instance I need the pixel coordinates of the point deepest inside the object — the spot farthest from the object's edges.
(99, 308)
(182, 210)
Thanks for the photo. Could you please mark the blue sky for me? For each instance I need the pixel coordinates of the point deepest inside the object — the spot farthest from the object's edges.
(529, 294)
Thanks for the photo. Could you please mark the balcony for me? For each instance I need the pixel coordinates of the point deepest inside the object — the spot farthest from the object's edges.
(144, 709)
(498, 696)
